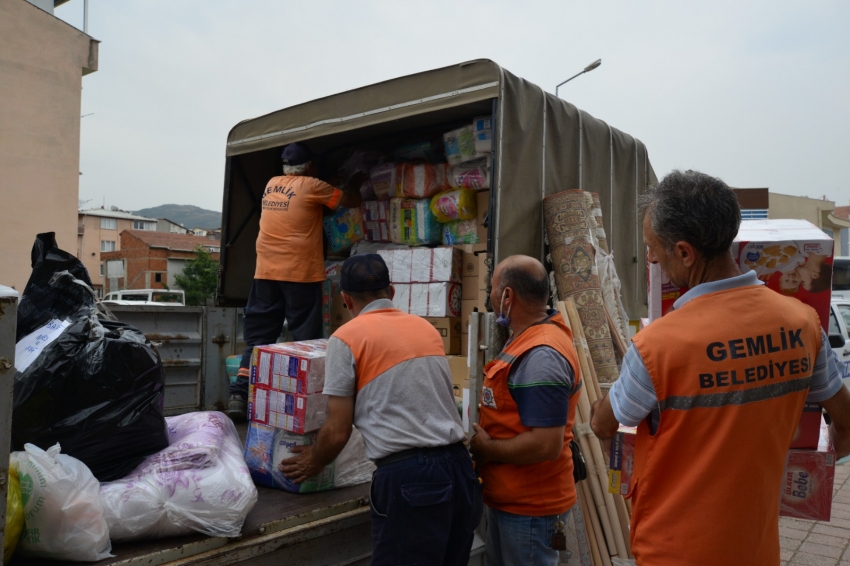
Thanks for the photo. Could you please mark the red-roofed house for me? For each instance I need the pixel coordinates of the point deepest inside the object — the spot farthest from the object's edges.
(150, 260)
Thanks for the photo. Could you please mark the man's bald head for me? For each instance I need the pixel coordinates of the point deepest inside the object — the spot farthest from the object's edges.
(526, 276)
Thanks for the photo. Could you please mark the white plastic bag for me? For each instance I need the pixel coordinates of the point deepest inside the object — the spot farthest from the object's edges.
(62, 511)
(352, 465)
(200, 483)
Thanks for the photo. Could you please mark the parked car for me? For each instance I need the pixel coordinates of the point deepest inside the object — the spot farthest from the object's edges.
(146, 297)
(839, 334)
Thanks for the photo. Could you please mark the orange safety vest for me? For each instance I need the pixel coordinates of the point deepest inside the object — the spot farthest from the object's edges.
(545, 488)
(731, 372)
(369, 334)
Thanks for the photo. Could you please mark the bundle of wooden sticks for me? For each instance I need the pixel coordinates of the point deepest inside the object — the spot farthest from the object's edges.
(607, 515)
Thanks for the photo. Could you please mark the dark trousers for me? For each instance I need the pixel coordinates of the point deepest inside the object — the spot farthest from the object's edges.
(425, 509)
(269, 304)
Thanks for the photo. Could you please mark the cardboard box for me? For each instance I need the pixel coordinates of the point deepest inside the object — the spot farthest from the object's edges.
(289, 411)
(469, 289)
(793, 257)
(807, 434)
(460, 373)
(808, 481)
(292, 367)
(339, 314)
(266, 447)
(428, 299)
(425, 265)
(450, 331)
(661, 292)
(466, 308)
(376, 220)
(621, 465)
(471, 264)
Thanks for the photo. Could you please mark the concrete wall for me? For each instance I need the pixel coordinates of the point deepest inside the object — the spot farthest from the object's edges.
(787, 206)
(42, 61)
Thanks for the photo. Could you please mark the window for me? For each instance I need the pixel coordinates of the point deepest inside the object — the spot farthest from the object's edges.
(841, 274)
(108, 223)
(107, 246)
(157, 277)
(101, 269)
(754, 214)
(213, 250)
(142, 225)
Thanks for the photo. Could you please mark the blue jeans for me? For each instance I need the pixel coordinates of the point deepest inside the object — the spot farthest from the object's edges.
(520, 540)
(425, 509)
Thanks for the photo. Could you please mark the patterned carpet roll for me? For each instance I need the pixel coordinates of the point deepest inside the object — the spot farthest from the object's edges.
(569, 230)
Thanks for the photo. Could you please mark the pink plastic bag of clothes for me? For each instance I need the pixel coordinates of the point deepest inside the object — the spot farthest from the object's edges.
(200, 483)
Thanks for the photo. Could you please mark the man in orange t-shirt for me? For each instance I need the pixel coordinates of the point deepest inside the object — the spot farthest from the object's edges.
(290, 261)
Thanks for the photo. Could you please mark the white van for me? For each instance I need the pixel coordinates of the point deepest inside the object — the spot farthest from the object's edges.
(159, 297)
(839, 334)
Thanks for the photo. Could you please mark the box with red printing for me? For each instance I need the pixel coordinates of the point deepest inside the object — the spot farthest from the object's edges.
(808, 480)
(661, 293)
(793, 257)
(289, 411)
(808, 430)
(621, 464)
(292, 367)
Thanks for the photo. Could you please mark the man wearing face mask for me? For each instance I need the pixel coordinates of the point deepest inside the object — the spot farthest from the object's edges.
(528, 406)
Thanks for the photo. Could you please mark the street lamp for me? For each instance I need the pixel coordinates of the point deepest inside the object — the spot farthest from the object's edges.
(586, 70)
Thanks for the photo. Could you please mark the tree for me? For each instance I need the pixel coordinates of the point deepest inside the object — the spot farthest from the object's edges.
(199, 278)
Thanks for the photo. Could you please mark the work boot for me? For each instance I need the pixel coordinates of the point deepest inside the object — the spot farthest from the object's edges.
(237, 409)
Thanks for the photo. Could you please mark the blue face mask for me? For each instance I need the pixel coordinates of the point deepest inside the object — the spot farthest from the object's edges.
(502, 319)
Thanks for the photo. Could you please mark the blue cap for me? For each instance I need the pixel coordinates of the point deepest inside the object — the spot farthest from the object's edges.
(296, 154)
(364, 272)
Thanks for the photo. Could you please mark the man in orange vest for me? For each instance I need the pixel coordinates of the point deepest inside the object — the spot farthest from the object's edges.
(386, 372)
(290, 261)
(528, 405)
(716, 388)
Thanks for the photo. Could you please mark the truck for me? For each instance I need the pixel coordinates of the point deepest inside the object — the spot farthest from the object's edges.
(541, 145)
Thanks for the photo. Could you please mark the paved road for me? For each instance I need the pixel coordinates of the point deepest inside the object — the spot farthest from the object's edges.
(821, 543)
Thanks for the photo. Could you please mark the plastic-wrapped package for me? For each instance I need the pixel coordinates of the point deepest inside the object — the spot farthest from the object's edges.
(456, 204)
(460, 145)
(352, 465)
(384, 179)
(376, 220)
(267, 446)
(367, 192)
(359, 161)
(431, 151)
(343, 228)
(428, 299)
(413, 223)
(421, 180)
(178, 491)
(14, 516)
(482, 127)
(471, 175)
(63, 514)
(461, 232)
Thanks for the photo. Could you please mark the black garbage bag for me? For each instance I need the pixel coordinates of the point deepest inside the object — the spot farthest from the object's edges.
(97, 388)
(43, 301)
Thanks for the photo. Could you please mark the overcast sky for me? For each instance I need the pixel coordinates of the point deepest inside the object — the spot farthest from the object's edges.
(757, 93)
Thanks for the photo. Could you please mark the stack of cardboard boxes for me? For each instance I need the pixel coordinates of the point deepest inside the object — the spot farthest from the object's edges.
(285, 408)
